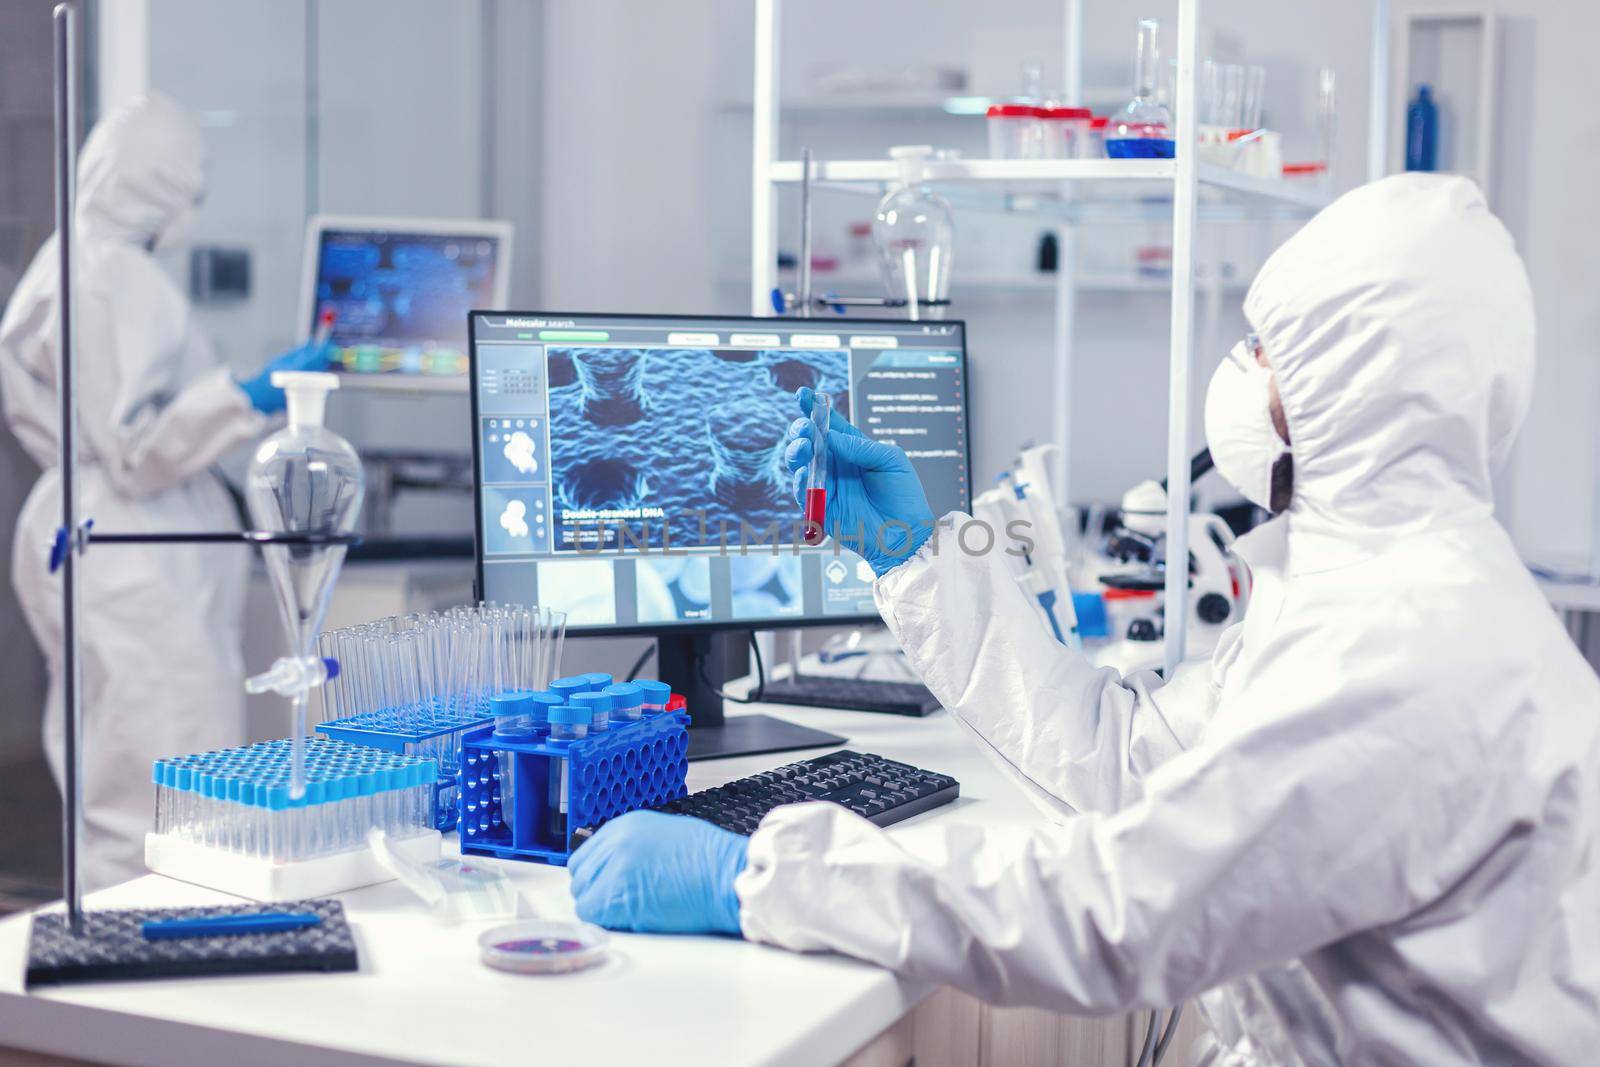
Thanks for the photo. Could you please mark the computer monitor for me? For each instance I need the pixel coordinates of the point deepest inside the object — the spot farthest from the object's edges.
(400, 290)
(629, 471)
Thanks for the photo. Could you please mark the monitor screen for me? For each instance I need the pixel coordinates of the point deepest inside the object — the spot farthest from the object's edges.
(400, 296)
(630, 469)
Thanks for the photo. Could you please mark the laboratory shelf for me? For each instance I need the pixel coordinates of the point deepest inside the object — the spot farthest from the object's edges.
(1074, 190)
(1072, 195)
(1291, 192)
(859, 282)
(978, 170)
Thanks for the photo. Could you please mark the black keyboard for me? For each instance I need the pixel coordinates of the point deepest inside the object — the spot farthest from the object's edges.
(860, 694)
(878, 789)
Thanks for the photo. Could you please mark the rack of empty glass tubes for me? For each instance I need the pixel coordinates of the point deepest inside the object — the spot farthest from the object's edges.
(398, 696)
(414, 684)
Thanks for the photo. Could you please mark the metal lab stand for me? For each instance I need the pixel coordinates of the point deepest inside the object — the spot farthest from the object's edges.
(74, 536)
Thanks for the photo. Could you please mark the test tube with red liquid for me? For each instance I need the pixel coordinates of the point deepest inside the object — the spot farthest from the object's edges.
(324, 326)
(816, 506)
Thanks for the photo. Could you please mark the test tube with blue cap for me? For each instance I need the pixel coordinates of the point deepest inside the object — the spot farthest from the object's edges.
(597, 681)
(539, 708)
(568, 723)
(627, 702)
(598, 705)
(654, 696)
(239, 800)
(565, 688)
(511, 710)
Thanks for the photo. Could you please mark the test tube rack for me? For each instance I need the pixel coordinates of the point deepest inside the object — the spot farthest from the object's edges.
(225, 819)
(632, 765)
(432, 734)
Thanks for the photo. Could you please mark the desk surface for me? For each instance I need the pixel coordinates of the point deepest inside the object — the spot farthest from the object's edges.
(421, 995)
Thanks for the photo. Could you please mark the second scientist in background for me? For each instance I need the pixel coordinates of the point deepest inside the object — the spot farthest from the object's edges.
(162, 625)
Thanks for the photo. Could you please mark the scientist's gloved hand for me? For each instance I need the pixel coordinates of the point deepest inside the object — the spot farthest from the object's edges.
(268, 398)
(654, 873)
(876, 505)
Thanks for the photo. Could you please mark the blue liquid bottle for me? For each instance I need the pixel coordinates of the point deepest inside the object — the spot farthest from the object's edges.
(1142, 129)
(1422, 131)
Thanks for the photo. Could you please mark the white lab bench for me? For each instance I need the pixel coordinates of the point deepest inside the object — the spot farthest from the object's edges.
(421, 995)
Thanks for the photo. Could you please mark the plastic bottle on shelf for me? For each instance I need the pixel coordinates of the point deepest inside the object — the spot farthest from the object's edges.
(1015, 131)
(1064, 128)
(1093, 144)
(1143, 129)
(1422, 131)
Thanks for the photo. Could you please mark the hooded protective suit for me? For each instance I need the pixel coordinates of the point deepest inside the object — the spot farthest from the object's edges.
(1362, 833)
(162, 625)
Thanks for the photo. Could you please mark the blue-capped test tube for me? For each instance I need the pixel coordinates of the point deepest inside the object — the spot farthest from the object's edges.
(597, 681)
(510, 710)
(568, 723)
(539, 707)
(566, 688)
(626, 702)
(599, 707)
(654, 696)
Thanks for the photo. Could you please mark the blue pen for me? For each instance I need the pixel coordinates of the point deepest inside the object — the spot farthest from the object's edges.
(218, 925)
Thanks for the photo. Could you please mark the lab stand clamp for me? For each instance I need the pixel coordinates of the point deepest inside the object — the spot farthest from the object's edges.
(522, 799)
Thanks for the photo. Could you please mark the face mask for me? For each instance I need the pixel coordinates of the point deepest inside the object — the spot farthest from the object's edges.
(178, 231)
(1244, 444)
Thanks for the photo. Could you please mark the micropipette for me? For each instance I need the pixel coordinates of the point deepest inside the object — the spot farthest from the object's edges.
(816, 503)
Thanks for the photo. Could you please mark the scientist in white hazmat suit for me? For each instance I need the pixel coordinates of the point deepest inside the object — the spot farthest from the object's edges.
(1363, 833)
(162, 625)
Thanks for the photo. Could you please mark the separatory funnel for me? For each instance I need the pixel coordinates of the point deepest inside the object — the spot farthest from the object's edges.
(305, 479)
(915, 230)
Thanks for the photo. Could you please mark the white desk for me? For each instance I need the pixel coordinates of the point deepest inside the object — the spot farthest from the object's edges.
(421, 995)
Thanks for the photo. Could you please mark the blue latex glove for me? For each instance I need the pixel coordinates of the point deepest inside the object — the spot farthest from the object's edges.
(268, 398)
(876, 505)
(655, 873)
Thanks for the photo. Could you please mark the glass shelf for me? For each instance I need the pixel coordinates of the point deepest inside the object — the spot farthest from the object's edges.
(1075, 190)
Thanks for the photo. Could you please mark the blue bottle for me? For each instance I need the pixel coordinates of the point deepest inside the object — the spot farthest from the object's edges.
(1422, 131)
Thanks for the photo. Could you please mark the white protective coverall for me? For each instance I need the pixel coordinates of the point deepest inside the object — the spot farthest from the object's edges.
(1362, 833)
(161, 625)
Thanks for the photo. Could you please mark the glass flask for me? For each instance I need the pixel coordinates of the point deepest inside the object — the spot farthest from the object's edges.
(914, 230)
(1142, 129)
(303, 479)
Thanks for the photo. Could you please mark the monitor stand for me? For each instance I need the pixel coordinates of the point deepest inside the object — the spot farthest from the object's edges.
(697, 665)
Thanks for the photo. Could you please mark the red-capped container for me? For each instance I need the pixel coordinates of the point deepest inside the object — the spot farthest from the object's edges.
(1062, 128)
(1093, 143)
(1015, 131)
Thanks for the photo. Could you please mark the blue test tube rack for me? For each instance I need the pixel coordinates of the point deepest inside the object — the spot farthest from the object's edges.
(632, 765)
(238, 801)
(435, 734)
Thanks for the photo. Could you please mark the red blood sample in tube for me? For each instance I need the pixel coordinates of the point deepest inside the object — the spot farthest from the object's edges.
(816, 508)
(816, 498)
